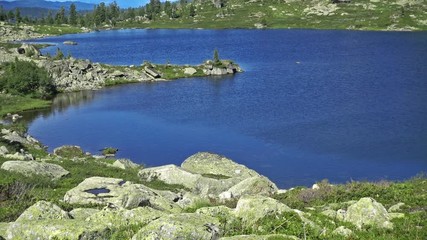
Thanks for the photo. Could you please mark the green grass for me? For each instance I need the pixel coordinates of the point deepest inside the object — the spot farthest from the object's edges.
(16, 104)
(56, 29)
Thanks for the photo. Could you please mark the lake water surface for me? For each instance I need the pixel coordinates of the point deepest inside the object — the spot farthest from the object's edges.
(341, 105)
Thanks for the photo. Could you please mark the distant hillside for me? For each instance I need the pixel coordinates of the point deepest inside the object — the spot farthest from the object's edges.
(41, 4)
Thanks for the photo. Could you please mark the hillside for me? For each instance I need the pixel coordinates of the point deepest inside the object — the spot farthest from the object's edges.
(319, 14)
(51, 5)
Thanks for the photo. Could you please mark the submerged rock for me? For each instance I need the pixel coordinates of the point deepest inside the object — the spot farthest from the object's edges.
(368, 212)
(29, 168)
(43, 210)
(181, 226)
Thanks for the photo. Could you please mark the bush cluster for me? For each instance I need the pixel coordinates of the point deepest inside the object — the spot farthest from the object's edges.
(26, 79)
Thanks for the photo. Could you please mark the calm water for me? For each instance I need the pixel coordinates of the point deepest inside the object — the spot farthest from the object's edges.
(311, 105)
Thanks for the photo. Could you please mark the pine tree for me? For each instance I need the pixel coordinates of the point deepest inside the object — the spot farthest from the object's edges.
(18, 17)
(216, 57)
(73, 14)
(192, 11)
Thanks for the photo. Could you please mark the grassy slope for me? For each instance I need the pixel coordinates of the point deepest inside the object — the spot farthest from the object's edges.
(359, 14)
(14, 104)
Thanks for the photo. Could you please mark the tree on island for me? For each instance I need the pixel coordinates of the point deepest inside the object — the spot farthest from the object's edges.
(216, 60)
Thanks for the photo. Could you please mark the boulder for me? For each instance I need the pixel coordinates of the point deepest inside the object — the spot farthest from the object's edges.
(396, 207)
(190, 71)
(368, 212)
(43, 210)
(70, 43)
(116, 192)
(28, 50)
(261, 237)
(82, 213)
(209, 163)
(68, 151)
(57, 229)
(3, 230)
(180, 226)
(116, 218)
(258, 185)
(216, 212)
(29, 168)
(125, 164)
(342, 231)
(253, 208)
(196, 183)
(3, 151)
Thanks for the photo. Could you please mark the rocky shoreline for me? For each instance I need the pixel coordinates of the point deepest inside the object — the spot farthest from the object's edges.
(230, 193)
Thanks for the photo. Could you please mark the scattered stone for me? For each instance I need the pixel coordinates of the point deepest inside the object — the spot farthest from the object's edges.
(181, 226)
(68, 151)
(253, 208)
(190, 71)
(3, 150)
(396, 207)
(43, 210)
(125, 164)
(29, 168)
(368, 212)
(342, 231)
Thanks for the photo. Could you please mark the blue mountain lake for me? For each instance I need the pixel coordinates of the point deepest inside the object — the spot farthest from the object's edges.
(311, 104)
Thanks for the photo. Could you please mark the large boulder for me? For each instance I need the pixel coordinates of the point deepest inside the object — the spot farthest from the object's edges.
(125, 164)
(113, 191)
(258, 185)
(180, 226)
(43, 210)
(82, 213)
(214, 164)
(57, 229)
(196, 183)
(251, 209)
(115, 218)
(368, 212)
(29, 168)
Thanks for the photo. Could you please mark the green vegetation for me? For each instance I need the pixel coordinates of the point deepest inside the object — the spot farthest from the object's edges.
(109, 151)
(56, 29)
(13, 104)
(24, 78)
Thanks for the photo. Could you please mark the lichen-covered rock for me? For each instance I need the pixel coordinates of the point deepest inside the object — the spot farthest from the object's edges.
(342, 231)
(43, 210)
(368, 212)
(396, 207)
(253, 208)
(125, 164)
(29, 168)
(56, 229)
(82, 213)
(181, 226)
(3, 229)
(209, 163)
(261, 237)
(197, 184)
(258, 185)
(216, 212)
(115, 218)
(68, 151)
(106, 191)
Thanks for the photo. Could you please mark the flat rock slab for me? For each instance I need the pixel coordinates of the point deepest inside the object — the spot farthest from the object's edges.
(29, 168)
(114, 191)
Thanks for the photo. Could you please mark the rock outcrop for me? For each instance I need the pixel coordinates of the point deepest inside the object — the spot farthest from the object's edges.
(368, 212)
(43, 210)
(119, 193)
(28, 168)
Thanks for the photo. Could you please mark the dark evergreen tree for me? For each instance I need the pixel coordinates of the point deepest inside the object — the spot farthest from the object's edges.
(73, 14)
(192, 11)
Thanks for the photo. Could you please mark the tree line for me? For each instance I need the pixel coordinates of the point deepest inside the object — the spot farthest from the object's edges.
(105, 14)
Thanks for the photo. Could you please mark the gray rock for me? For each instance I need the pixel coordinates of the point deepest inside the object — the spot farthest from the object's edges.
(258, 185)
(253, 208)
(396, 207)
(82, 213)
(342, 231)
(29, 168)
(209, 163)
(368, 212)
(43, 210)
(70, 43)
(125, 164)
(116, 192)
(190, 71)
(181, 226)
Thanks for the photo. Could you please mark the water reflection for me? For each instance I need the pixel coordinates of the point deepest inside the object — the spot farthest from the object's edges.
(60, 103)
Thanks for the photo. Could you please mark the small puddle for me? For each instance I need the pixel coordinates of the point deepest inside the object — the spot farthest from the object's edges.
(97, 191)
